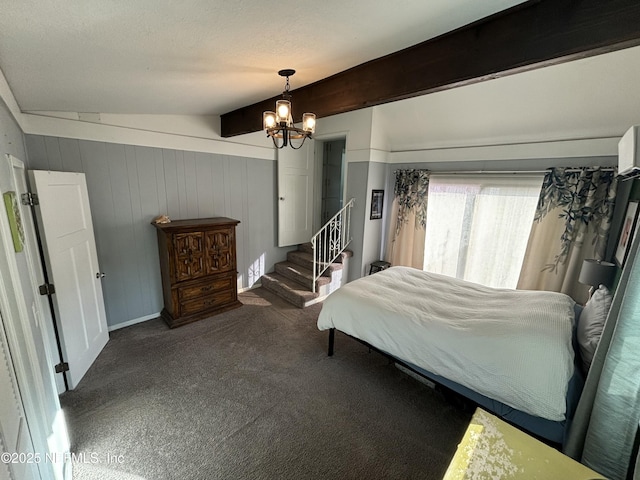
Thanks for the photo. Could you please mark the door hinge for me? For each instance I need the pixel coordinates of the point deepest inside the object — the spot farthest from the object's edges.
(47, 289)
(62, 367)
(30, 199)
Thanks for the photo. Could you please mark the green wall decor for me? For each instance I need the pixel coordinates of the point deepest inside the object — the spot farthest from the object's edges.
(15, 221)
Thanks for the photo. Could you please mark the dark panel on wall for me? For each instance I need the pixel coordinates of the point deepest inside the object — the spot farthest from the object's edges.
(532, 35)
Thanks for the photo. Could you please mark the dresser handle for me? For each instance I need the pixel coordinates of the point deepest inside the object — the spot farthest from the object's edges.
(206, 289)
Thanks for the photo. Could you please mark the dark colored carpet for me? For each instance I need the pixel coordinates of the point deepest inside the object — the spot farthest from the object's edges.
(251, 394)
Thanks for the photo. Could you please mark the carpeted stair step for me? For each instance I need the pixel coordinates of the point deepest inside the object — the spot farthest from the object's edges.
(300, 274)
(305, 260)
(307, 248)
(288, 289)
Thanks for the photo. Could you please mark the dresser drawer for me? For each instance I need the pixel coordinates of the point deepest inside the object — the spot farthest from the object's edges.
(211, 301)
(206, 288)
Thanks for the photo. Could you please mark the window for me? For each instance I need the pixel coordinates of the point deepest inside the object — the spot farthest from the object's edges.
(478, 226)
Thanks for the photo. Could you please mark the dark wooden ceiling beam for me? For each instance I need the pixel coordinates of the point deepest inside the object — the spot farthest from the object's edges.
(528, 36)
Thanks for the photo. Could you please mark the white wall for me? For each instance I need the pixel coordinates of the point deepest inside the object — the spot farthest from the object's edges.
(11, 138)
(177, 132)
(374, 229)
(579, 108)
(366, 170)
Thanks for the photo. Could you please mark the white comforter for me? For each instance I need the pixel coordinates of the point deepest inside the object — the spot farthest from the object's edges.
(510, 345)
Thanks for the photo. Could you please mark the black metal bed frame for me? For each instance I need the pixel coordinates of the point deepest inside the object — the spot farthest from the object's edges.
(451, 396)
(446, 391)
(391, 358)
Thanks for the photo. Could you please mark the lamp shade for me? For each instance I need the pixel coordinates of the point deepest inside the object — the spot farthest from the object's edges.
(595, 273)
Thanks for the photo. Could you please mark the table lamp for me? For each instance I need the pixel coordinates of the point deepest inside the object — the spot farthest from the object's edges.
(596, 273)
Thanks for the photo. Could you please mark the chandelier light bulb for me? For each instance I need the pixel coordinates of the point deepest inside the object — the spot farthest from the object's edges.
(283, 111)
(269, 120)
(309, 122)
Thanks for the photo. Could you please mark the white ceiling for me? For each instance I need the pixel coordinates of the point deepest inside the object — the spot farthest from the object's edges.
(201, 57)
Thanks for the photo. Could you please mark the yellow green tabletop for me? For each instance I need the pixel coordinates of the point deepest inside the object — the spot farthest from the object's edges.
(493, 449)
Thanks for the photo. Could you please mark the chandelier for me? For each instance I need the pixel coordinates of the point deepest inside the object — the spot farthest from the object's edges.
(279, 124)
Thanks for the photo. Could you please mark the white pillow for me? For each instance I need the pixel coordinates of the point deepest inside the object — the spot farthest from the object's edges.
(591, 323)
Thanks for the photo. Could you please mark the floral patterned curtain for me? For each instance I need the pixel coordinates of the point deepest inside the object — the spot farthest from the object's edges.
(571, 223)
(408, 218)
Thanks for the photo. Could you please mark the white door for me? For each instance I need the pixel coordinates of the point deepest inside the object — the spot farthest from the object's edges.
(295, 195)
(39, 428)
(66, 230)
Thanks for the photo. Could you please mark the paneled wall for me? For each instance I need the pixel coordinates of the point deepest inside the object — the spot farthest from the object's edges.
(357, 175)
(129, 186)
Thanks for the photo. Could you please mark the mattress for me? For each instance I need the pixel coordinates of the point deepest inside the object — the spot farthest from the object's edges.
(512, 346)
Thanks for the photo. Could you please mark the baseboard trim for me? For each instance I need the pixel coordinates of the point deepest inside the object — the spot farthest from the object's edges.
(258, 284)
(128, 323)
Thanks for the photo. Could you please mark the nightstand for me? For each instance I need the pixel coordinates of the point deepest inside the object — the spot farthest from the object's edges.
(491, 448)
(378, 266)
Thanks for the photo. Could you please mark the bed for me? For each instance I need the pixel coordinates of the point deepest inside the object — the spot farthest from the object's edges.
(510, 351)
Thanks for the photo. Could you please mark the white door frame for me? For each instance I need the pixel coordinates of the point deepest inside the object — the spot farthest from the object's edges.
(317, 183)
(25, 359)
(15, 436)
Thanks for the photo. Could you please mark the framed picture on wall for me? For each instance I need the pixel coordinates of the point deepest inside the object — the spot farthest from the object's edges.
(377, 200)
(627, 233)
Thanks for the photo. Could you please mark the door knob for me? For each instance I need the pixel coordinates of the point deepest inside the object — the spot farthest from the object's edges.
(100, 275)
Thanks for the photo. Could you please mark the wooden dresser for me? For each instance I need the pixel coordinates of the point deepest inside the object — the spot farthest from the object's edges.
(198, 265)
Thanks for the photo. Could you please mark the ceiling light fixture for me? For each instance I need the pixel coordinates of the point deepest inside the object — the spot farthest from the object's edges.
(279, 124)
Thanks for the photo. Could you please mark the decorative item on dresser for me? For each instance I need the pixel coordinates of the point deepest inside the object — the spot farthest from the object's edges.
(198, 265)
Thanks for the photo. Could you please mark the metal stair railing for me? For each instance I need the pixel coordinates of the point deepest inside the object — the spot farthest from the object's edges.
(330, 241)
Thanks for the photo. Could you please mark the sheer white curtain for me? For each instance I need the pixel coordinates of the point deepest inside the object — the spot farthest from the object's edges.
(478, 225)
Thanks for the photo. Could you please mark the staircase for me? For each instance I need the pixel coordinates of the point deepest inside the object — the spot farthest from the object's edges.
(293, 279)
(317, 268)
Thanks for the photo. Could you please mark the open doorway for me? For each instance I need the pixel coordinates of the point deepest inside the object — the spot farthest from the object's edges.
(332, 197)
